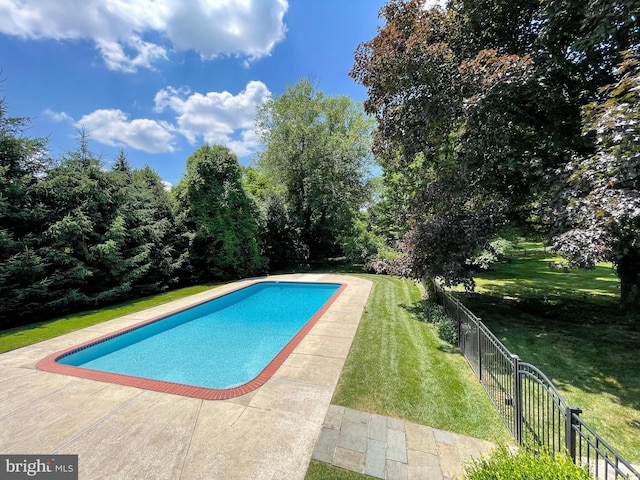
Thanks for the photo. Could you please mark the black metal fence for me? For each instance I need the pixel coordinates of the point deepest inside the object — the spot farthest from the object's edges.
(530, 405)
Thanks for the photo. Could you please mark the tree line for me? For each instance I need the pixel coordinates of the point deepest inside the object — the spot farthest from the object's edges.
(77, 234)
(489, 116)
(494, 115)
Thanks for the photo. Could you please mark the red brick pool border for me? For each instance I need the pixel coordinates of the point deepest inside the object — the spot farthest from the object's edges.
(49, 364)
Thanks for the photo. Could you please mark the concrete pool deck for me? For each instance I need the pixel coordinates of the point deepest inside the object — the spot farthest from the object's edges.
(125, 432)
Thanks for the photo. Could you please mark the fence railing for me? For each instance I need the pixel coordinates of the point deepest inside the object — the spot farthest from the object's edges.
(528, 402)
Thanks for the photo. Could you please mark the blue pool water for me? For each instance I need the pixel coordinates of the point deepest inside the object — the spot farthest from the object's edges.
(223, 343)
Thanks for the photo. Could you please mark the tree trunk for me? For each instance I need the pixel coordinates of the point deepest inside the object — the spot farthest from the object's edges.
(628, 270)
(429, 288)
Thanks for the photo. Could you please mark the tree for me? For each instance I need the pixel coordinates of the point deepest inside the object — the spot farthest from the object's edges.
(478, 107)
(220, 219)
(74, 235)
(150, 245)
(316, 151)
(602, 196)
(410, 72)
(416, 93)
(84, 242)
(279, 237)
(23, 161)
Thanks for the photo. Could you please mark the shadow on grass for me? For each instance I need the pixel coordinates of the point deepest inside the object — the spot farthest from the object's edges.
(590, 347)
(567, 323)
(450, 349)
(419, 311)
(540, 277)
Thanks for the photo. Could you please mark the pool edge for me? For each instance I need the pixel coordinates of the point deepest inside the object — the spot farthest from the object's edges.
(49, 363)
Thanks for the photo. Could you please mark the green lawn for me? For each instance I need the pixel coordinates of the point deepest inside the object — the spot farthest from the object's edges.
(322, 471)
(399, 367)
(528, 276)
(569, 326)
(37, 332)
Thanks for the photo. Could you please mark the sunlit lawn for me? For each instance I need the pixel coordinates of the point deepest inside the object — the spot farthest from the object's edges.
(399, 367)
(570, 326)
(529, 275)
(37, 332)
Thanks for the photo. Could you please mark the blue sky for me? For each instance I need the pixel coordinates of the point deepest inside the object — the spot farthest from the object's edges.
(161, 77)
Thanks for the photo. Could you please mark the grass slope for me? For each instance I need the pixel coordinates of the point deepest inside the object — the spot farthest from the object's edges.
(399, 367)
(569, 326)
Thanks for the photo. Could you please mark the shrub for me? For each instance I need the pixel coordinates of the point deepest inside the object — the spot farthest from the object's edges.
(383, 262)
(495, 251)
(435, 314)
(525, 464)
(447, 331)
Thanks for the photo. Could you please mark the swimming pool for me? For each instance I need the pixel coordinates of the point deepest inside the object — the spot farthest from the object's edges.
(221, 348)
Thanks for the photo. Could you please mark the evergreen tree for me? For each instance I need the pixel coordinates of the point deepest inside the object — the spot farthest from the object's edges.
(84, 241)
(23, 161)
(153, 242)
(220, 220)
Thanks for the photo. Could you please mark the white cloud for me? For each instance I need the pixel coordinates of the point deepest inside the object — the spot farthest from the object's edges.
(116, 58)
(247, 144)
(216, 117)
(122, 29)
(229, 27)
(58, 116)
(113, 128)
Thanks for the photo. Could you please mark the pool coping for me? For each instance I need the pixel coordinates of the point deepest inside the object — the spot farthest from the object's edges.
(50, 364)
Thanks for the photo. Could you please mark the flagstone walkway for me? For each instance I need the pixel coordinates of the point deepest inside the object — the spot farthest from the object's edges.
(389, 448)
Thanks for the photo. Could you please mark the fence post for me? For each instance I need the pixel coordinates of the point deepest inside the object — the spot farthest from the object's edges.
(479, 338)
(569, 433)
(517, 399)
(459, 322)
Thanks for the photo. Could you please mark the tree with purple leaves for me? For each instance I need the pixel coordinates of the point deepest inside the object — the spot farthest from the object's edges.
(601, 204)
(489, 114)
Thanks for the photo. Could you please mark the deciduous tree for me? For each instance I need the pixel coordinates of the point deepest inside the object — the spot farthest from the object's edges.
(316, 150)
(484, 101)
(602, 195)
